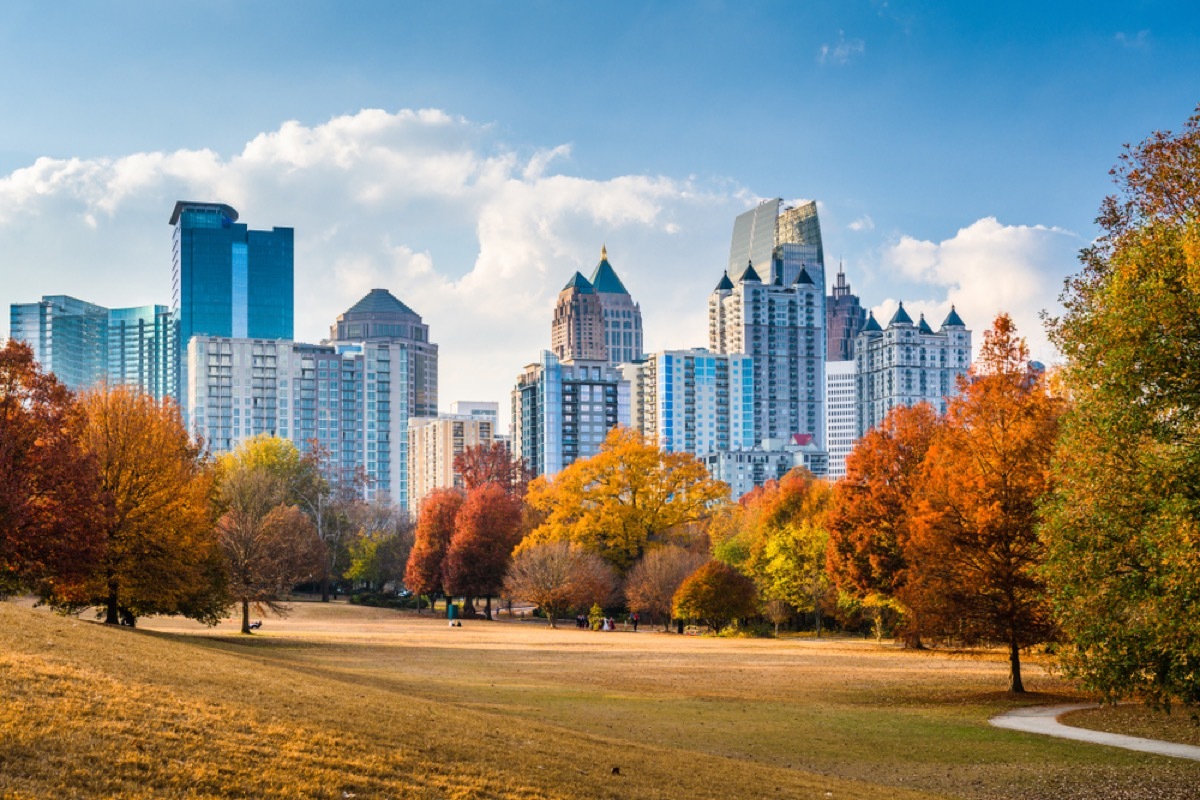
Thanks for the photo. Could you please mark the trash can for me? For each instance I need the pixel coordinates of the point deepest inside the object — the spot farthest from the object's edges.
(451, 611)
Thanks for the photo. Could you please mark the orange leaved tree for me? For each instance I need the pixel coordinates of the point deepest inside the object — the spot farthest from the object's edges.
(486, 529)
(435, 529)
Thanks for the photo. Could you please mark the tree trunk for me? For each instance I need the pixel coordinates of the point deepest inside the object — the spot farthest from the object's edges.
(325, 588)
(487, 607)
(1014, 662)
(245, 616)
(112, 615)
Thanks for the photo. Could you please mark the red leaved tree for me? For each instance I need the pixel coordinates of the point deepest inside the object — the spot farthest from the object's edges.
(492, 464)
(487, 528)
(435, 529)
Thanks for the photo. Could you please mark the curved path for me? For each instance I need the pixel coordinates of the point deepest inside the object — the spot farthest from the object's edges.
(1044, 720)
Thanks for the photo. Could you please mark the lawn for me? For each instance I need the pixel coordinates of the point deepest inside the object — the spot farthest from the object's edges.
(339, 701)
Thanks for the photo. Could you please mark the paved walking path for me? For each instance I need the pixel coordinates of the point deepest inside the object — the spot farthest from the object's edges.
(1044, 719)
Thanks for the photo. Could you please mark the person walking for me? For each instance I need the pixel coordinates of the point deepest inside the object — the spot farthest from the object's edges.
(634, 619)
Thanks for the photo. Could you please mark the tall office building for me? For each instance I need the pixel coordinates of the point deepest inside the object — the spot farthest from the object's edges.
(841, 414)
(693, 401)
(562, 410)
(380, 317)
(844, 318)
(350, 400)
(782, 327)
(227, 280)
(84, 344)
(433, 443)
(596, 319)
(908, 363)
(779, 241)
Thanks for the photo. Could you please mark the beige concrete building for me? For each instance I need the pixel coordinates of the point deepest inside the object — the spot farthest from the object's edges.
(433, 442)
(597, 320)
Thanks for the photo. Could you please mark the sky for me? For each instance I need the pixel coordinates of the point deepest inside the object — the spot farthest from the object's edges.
(471, 156)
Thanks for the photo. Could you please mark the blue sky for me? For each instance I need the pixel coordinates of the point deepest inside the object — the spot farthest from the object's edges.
(959, 150)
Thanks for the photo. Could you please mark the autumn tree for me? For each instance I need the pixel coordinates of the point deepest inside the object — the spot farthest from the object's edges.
(492, 464)
(49, 532)
(974, 548)
(486, 529)
(558, 576)
(268, 543)
(625, 497)
(161, 554)
(435, 529)
(330, 494)
(870, 512)
(716, 594)
(381, 546)
(651, 584)
(1123, 543)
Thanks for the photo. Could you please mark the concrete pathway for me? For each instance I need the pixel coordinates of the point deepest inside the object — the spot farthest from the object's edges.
(1044, 720)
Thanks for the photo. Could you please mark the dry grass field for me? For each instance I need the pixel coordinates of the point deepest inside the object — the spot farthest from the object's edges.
(339, 701)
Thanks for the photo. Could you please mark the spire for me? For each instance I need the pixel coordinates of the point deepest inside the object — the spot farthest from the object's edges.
(603, 252)
(953, 320)
(901, 317)
(872, 325)
(923, 326)
(604, 277)
(750, 274)
(580, 284)
(725, 285)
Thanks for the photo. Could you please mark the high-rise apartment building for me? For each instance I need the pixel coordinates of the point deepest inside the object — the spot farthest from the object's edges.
(693, 401)
(844, 318)
(562, 410)
(349, 400)
(84, 344)
(770, 460)
(433, 443)
(477, 409)
(227, 280)
(596, 319)
(782, 327)
(381, 317)
(908, 363)
(841, 414)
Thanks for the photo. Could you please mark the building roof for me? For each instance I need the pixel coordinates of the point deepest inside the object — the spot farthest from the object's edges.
(953, 319)
(182, 204)
(604, 277)
(579, 284)
(872, 324)
(804, 277)
(725, 284)
(901, 317)
(378, 301)
(750, 274)
(923, 326)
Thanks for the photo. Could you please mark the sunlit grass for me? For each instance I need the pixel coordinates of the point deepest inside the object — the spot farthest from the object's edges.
(338, 701)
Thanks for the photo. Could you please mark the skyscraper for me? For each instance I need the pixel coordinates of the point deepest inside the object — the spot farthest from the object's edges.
(433, 444)
(597, 320)
(381, 317)
(841, 414)
(908, 363)
(227, 280)
(141, 349)
(622, 316)
(779, 241)
(844, 318)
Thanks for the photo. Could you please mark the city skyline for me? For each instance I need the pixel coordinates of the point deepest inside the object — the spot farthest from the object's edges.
(935, 142)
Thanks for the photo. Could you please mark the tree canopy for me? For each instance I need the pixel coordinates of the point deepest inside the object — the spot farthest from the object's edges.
(626, 496)
(716, 594)
(557, 576)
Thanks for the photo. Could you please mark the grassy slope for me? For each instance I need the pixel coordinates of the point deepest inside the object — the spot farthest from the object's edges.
(343, 701)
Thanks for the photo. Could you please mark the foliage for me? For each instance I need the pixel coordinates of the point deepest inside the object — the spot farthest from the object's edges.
(331, 495)
(651, 584)
(557, 576)
(716, 593)
(869, 513)
(48, 509)
(269, 546)
(161, 554)
(627, 496)
(494, 464)
(380, 549)
(1121, 532)
(486, 529)
(435, 528)
(974, 542)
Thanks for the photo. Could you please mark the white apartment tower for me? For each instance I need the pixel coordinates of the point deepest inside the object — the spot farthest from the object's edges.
(841, 414)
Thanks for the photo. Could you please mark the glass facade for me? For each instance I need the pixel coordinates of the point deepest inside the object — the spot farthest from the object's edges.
(753, 238)
(227, 280)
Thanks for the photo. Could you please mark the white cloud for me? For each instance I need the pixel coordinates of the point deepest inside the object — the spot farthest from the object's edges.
(430, 206)
(842, 51)
(863, 223)
(1135, 41)
(984, 269)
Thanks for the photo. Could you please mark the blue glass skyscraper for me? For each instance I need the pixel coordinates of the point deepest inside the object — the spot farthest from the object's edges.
(227, 280)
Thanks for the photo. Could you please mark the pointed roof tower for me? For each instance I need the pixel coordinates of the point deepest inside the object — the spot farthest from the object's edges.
(750, 274)
(872, 325)
(580, 284)
(953, 320)
(901, 317)
(803, 278)
(604, 277)
(923, 326)
(725, 285)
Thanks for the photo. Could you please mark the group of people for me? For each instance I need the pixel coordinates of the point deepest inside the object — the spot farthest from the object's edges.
(606, 623)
